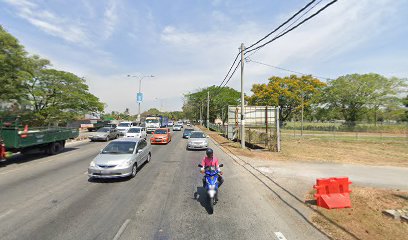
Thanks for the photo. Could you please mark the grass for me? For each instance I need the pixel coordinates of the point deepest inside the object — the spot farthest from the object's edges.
(360, 127)
(365, 219)
(322, 150)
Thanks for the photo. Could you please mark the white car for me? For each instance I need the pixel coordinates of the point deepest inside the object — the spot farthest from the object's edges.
(170, 124)
(177, 127)
(197, 140)
(136, 132)
(123, 127)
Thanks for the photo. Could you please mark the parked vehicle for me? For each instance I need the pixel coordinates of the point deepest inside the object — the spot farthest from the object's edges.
(155, 122)
(98, 124)
(161, 136)
(123, 127)
(177, 127)
(211, 186)
(111, 125)
(197, 140)
(136, 132)
(187, 132)
(104, 134)
(19, 137)
(120, 158)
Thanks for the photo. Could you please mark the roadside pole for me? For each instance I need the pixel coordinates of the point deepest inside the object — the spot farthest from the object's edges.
(208, 110)
(201, 113)
(242, 98)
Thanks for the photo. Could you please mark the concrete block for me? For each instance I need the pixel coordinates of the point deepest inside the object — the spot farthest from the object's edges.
(392, 213)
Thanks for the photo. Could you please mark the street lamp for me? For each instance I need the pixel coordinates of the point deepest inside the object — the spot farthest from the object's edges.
(140, 90)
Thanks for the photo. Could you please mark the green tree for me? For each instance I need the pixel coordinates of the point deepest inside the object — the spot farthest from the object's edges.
(12, 61)
(220, 98)
(58, 96)
(288, 93)
(357, 94)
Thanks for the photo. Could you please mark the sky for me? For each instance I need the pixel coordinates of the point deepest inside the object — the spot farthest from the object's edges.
(187, 45)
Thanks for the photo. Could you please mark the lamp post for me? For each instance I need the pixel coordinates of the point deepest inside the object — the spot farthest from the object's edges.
(140, 91)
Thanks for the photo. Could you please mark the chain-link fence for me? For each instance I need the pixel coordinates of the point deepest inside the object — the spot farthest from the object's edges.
(341, 131)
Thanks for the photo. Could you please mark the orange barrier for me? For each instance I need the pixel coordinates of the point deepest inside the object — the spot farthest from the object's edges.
(333, 192)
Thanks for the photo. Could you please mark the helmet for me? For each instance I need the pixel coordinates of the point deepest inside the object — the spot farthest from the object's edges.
(209, 152)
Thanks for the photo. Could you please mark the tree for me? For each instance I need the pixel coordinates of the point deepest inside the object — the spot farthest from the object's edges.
(58, 96)
(151, 111)
(288, 93)
(356, 94)
(220, 98)
(12, 60)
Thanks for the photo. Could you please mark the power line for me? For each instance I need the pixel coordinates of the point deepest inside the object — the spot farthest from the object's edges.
(230, 70)
(291, 24)
(276, 29)
(291, 29)
(288, 70)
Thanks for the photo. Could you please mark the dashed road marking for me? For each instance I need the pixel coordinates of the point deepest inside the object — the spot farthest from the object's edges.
(280, 236)
(2, 215)
(121, 229)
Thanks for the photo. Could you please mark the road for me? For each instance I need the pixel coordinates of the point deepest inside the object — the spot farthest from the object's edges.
(52, 198)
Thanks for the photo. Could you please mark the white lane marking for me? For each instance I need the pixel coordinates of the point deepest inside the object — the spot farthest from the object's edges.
(6, 213)
(121, 229)
(280, 236)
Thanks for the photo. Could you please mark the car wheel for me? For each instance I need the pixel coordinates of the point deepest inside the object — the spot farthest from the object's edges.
(134, 171)
(149, 156)
(106, 139)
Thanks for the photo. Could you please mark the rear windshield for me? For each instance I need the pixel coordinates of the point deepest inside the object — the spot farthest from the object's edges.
(103, 130)
(197, 135)
(188, 130)
(119, 148)
(124, 124)
(134, 130)
(160, 131)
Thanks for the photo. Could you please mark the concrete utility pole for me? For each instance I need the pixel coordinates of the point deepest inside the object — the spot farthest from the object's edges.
(201, 113)
(301, 131)
(140, 91)
(242, 98)
(208, 109)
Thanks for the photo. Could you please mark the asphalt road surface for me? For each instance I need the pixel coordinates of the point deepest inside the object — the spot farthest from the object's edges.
(51, 197)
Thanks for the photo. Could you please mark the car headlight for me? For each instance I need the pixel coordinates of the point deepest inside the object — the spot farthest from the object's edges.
(92, 164)
(125, 163)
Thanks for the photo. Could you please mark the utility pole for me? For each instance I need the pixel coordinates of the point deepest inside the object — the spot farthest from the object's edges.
(301, 131)
(242, 98)
(201, 113)
(208, 109)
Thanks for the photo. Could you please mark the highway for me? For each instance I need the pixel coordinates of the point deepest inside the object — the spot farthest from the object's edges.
(51, 197)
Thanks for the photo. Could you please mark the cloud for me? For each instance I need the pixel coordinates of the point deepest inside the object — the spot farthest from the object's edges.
(110, 18)
(49, 23)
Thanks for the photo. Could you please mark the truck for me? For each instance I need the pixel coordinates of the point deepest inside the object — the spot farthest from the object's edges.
(97, 124)
(155, 122)
(18, 137)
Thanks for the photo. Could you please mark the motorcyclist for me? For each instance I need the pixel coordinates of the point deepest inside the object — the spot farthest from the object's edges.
(210, 161)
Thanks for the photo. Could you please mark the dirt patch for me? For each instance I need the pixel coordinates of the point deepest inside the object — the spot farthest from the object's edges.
(317, 150)
(365, 219)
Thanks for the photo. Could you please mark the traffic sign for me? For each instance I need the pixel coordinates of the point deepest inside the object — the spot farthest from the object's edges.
(139, 97)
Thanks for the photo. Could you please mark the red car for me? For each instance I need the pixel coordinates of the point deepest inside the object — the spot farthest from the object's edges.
(161, 136)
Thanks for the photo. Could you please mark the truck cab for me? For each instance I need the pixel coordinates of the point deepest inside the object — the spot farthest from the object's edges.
(152, 123)
(123, 127)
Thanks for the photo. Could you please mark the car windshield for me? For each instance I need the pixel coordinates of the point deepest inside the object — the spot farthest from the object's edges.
(134, 130)
(124, 124)
(103, 130)
(197, 135)
(119, 148)
(152, 121)
(160, 131)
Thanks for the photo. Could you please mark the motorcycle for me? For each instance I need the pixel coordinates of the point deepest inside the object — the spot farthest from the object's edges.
(211, 185)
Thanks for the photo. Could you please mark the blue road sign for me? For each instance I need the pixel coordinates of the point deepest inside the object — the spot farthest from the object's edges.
(139, 97)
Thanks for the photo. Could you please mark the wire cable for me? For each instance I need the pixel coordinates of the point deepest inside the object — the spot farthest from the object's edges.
(291, 24)
(236, 57)
(288, 70)
(284, 23)
(294, 27)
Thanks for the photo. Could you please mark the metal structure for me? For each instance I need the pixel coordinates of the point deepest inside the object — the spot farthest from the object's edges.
(261, 126)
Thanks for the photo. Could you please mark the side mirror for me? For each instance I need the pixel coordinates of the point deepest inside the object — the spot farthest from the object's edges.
(208, 136)
(101, 150)
(199, 165)
(221, 165)
(139, 151)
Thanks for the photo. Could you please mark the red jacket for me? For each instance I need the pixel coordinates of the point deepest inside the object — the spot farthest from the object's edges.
(210, 162)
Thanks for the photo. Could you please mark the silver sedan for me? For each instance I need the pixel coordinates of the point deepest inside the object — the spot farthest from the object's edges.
(120, 158)
(197, 140)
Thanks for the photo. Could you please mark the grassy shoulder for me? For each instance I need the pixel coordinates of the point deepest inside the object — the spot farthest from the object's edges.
(318, 150)
(365, 219)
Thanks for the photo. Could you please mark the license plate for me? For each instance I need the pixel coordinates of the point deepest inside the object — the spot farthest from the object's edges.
(106, 172)
(158, 140)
